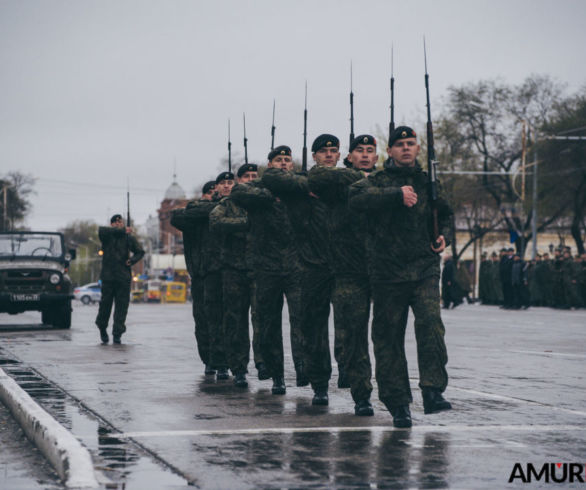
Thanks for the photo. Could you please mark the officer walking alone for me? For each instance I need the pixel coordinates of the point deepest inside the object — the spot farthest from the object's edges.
(121, 251)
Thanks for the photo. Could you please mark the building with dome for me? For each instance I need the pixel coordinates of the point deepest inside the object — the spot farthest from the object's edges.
(170, 238)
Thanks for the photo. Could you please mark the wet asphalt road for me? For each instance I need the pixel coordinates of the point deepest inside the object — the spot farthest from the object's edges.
(517, 384)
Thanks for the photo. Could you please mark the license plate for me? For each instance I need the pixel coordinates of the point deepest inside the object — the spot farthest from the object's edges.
(25, 297)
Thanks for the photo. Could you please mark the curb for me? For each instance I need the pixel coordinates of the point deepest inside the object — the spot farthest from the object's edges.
(70, 459)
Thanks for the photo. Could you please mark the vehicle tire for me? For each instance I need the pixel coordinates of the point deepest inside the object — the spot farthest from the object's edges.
(46, 316)
(86, 300)
(62, 315)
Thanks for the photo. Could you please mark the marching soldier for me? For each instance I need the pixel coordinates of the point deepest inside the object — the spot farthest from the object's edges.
(347, 234)
(194, 237)
(309, 217)
(239, 292)
(276, 268)
(404, 269)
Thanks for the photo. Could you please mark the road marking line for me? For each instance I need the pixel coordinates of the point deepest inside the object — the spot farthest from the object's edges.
(373, 428)
(516, 399)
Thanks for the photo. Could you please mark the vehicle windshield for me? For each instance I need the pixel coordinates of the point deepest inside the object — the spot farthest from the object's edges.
(30, 245)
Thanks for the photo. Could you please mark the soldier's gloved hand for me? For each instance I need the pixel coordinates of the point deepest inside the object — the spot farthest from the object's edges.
(441, 245)
(128, 230)
(409, 196)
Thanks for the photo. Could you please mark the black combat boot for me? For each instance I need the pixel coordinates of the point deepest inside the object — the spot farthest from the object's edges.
(278, 385)
(343, 381)
(240, 380)
(263, 372)
(223, 373)
(363, 408)
(209, 371)
(320, 396)
(433, 401)
(302, 379)
(401, 416)
(104, 336)
(116, 339)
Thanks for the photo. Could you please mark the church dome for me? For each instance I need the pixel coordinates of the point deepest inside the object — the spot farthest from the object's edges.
(175, 191)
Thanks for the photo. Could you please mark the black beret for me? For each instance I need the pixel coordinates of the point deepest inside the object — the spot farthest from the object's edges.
(208, 186)
(401, 133)
(363, 139)
(325, 141)
(115, 218)
(224, 176)
(279, 150)
(247, 167)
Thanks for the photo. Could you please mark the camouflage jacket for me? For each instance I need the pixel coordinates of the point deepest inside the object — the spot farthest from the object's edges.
(346, 227)
(399, 238)
(117, 246)
(230, 222)
(272, 241)
(308, 215)
(199, 244)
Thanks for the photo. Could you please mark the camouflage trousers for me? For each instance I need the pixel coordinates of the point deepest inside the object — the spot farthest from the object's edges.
(117, 293)
(317, 287)
(270, 289)
(239, 291)
(351, 299)
(213, 310)
(202, 330)
(391, 308)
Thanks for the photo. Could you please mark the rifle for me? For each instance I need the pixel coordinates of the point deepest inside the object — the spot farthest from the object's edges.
(351, 107)
(128, 204)
(392, 123)
(128, 216)
(245, 141)
(229, 149)
(431, 161)
(273, 128)
(304, 155)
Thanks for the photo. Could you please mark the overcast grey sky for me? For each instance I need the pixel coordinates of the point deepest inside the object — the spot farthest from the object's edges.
(93, 93)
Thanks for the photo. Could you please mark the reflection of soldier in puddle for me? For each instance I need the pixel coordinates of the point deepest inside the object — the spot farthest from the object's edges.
(393, 459)
(310, 456)
(434, 464)
(115, 452)
(354, 459)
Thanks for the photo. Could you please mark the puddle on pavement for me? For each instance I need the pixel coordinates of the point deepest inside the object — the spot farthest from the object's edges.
(119, 464)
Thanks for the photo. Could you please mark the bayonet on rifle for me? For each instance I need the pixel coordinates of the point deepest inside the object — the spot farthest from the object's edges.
(245, 141)
(304, 155)
(273, 128)
(351, 107)
(392, 121)
(229, 149)
(431, 161)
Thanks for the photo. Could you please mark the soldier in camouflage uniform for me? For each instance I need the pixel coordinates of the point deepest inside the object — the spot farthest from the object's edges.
(571, 278)
(239, 289)
(276, 266)
(309, 218)
(496, 285)
(194, 233)
(484, 279)
(543, 276)
(117, 244)
(404, 269)
(197, 213)
(347, 235)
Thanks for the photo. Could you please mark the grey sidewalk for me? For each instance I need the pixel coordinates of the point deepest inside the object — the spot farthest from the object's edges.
(516, 383)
